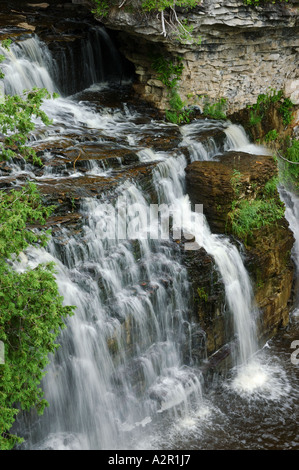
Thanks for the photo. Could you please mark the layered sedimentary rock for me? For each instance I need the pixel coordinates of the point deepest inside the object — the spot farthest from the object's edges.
(267, 252)
(238, 51)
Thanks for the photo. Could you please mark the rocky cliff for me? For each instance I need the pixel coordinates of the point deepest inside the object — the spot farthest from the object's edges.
(237, 51)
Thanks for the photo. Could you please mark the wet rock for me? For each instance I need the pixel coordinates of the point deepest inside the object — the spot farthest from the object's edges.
(210, 183)
(266, 251)
(271, 268)
(66, 191)
(208, 304)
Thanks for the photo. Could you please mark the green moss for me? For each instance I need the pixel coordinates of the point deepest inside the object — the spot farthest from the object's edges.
(249, 215)
(202, 294)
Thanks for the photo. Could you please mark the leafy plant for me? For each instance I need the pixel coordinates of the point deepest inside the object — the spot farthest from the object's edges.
(260, 109)
(286, 110)
(31, 309)
(215, 110)
(169, 72)
(271, 136)
(101, 8)
(249, 215)
(16, 115)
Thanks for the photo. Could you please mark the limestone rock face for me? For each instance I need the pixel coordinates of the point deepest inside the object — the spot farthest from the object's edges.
(211, 328)
(242, 51)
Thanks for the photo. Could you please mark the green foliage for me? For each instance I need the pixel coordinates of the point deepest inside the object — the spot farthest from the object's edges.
(271, 186)
(271, 136)
(16, 115)
(259, 110)
(5, 44)
(101, 8)
(17, 210)
(16, 122)
(249, 215)
(31, 309)
(263, 2)
(169, 72)
(286, 110)
(160, 5)
(254, 118)
(215, 110)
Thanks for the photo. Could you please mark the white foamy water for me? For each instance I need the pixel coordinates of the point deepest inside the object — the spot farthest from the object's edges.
(261, 381)
(238, 140)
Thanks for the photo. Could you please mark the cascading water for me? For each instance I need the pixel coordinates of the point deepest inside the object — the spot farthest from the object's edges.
(123, 376)
(292, 215)
(28, 64)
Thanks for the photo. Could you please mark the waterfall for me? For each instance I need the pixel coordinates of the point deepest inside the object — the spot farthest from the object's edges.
(238, 140)
(236, 280)
(122, 372)
(292, 215)
(121, 361)
(30, 63)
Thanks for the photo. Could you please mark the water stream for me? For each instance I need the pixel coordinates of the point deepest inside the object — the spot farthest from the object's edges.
(124, 377)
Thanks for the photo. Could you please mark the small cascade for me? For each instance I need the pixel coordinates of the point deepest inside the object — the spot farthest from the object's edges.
(236, 280)
(31, 63)
(91, 60)
(28, 64)
(121, 362)
(238, 140)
